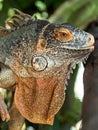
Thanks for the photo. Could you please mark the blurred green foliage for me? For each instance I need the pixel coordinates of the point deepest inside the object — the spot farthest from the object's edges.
(78, 13)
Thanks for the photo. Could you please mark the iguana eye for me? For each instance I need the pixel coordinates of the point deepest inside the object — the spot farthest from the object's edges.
(62, 34)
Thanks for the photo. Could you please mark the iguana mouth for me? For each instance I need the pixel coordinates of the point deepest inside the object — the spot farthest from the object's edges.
(91, 47)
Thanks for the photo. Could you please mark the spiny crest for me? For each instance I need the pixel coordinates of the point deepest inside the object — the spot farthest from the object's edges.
(17, 20)
(3, 31)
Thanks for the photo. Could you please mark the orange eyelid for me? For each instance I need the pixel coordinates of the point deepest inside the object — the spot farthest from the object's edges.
(62, 34)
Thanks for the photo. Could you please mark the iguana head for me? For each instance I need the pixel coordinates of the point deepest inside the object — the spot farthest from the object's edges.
(58, 45)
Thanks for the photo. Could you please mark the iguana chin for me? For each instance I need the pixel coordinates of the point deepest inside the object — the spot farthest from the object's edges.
(36, 58)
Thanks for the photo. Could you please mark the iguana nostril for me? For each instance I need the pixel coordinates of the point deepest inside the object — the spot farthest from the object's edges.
(39, 63)
(91, 39)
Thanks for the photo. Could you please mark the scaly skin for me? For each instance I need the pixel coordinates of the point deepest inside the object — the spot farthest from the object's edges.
(38, 56)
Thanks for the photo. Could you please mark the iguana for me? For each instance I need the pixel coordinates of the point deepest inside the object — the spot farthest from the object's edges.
(36, 58)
